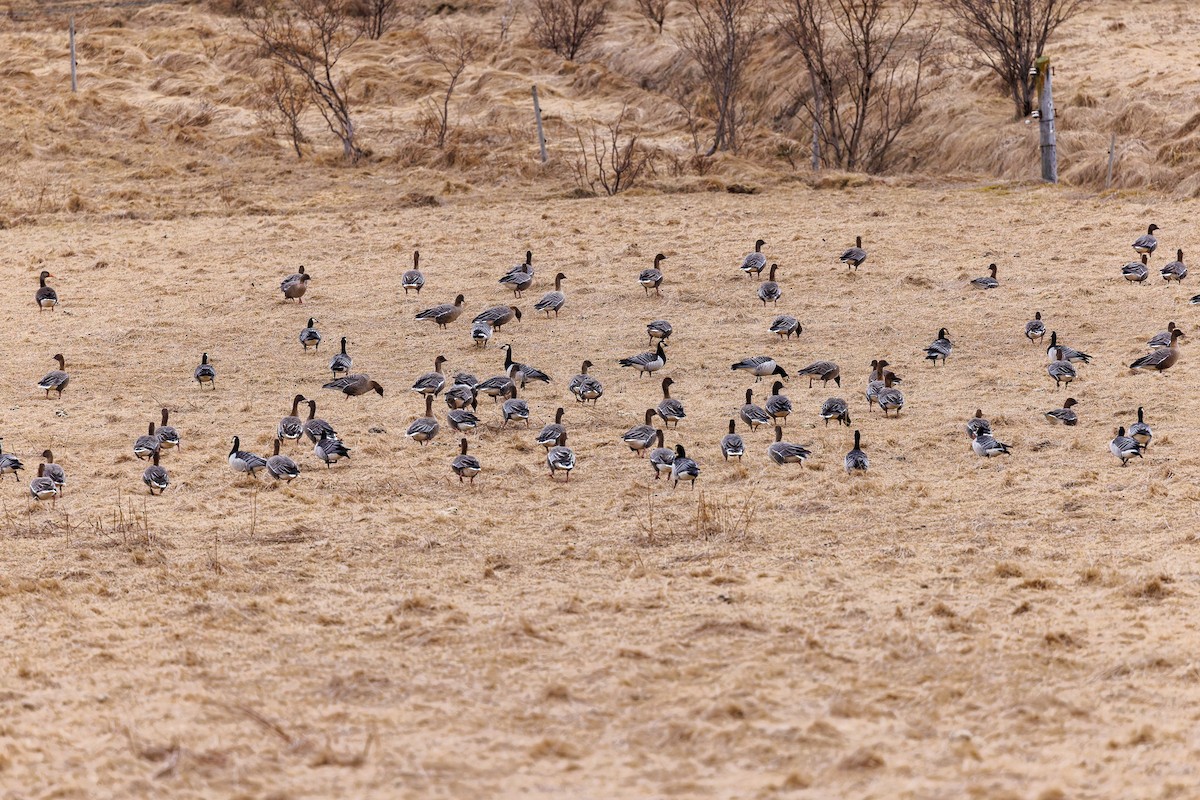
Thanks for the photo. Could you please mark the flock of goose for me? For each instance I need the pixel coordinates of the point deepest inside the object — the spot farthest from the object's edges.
(462, 392)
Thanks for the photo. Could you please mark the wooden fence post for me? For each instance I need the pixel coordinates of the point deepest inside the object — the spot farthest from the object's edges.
(74, 86)
(1046, 121)
(1112, 153)
(537, 113)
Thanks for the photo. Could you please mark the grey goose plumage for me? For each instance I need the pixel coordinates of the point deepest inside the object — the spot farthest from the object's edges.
(987, 446)
(413, 278)
(41, 487)
(786, 326)
(940, 347)
(168, 435)
(670, 409)
(147, 445)
(423, 429)
(520, 277)
(9, 464)
(316, 428)
(445, 313)
(481, 333)
(987, 282)
(282, 468)
(295, 285)
(1035, 328)
(1064, 415)
(431, 383)
(1136, 271)
(205, 373)
(639, 437)
(1175, 270)
(732, 445)
(521, 372)
(1060, 369)
(1140, 431)
(661, 458)
(783, 453)
(889, 397)
(658, 329)
(835, 408)
(56, 379)
(1068, 353)
(465, 465)
(553, 301)
(977, 425)
(330, 450)
(856, 461)
(1162, 359)
(354, 385)
(310, 336)
(496, 387)
(778, 406)
(243, 461)
(1147, 243)
(756, 262)
(45, 296)
(341, 362)
(461, 420)
(684, 468)
(1124, 447)
(498, 316)
(652, 277)
(54, 471)
(1162, 338)
(647, 363)
(855, 256)
(291, 427)
(584, 386)
(561, 458)
(753, 415)
(548, 435)
(760, 367)
(769, 290)
(514, 410)
(823, 371)
(155, 477)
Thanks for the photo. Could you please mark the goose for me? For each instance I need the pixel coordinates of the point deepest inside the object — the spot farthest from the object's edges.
(168, 437)
(732, 445)
(331, 450)
(824, 371)
(652, 277)
(459, 396)
(54, 472)
(639, 437)
(514, 410)
(760, 367)
(45, 297)
(499, 386)
(786, 326)
(1195, 301)
(444, 314)
(1146, 243)
(782, 452)
(661, 458)
(431, 382)
(548, 436)
(987, 282)
(1136, 271)
(147, 445)
(1160, 360)
(291, 427)
(340, 364)
(465, 465)
(310, 336)
(855, 256)
(684, 468)
(940, 347)
(1140, 431)
(646, 363)
(205, 373)
(241, 461)
(424, 428)
(768, 290)
(584, 386)
(316, 428)
(41, 487)
(1061, 370)
(753, 415)
(56, 379)
(155, 477)
(1176, 270)
(413, 279)
(1162, 338)
(1068, 353)
(552, 301)
(354, 385)
(9, 464)
(856, 462)
(462, 420)
(889, 398)
(835, 408)
(670, 409)
(1124, 448)
(295, 285)
(499, 316)
(1035, 328)
(561, 457)
(877, 385)
(977, 425)
(755, 262)
(658, 329)
(877, 371)
(1064, 415)
(465, 379)
(986, 446)
(481, 333)
(777, 405)
(282, 468)
(520, 277)
(516, 369)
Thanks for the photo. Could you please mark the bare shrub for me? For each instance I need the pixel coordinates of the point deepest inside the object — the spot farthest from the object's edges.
(375, 16)
(654, 10)
(867, 71)
(567, 27)
(719, 40)
(282, 101)
(609, 159)
(1010, 36)
(452, 49)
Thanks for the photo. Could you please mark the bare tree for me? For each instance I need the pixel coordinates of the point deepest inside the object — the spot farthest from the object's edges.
(719, 41)
(654, 10)
(452, 50)
(375, 16)
(309, 37)
(866, 69)
(284, 101)
(567, 27)
(608, 159)
(1010, 36)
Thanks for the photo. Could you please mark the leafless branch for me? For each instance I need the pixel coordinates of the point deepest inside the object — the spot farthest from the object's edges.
(719, 40)
(567, 27)
(453, 49)
(609, 159)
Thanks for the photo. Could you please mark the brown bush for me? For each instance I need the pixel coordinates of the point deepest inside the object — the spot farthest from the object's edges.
(567, 27)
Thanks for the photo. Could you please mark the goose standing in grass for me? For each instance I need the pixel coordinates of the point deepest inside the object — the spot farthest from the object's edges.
(1136, 271)
(1061, 370)
(854, 256)
(498, 316)
(548, 435)
(464, 464)
(155, 477)
(1160, 360)
(1064, 415)
(786, 326)
(282, 468)
(147, 445)
(584, 386)
(856, 462)
(445, 313)
(768, 290)
(206, 373)
(1140, 431)
(1068, 353)
(889, 398)
(41, 487)
(753, 415)
(732, 445)
(496, 387)
(1124, 448)
(431, 382)
(310, 336)
(56, 379)
(756, 262)
(561, 457)
(1035, 328)
(684, 468)
(54, 471)
(413, 279)
(522, 372)
(986, 446)
(316, 428)
(835, 408)
(760, 367)
(291, 427)
(1146, 243)
(652, 277)
(465, 379)
(460, 395)
(9, 464)
(1175, 270)
(977, 425)
(242, 461)
(646, 363)
(940, 347)
(331, 450)
(777, 405)
(1195, 301)
(295, 285)
(823, 371)
(168, 435)
(658, 329)
(639, 437)
(878, 369)
(1162, 338)
(461, 420)
(481, 333)
(988, 281)
(782, 452)
(661, 458)
(45, 297)
(354, 385)
(424, 428)
(340, 364)
(520, 277)
(670, 409)
(514, 410)
(553, 301)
